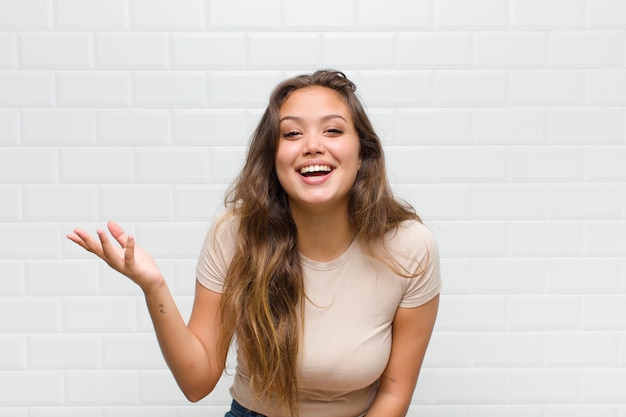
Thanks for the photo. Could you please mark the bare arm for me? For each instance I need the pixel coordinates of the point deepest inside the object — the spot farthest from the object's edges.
(412, 328)
(189, 350)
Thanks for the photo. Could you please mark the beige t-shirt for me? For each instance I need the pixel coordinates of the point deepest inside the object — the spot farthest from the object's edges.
(350, 306)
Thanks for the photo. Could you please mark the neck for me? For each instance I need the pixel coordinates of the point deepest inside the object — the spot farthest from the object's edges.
(323, 236)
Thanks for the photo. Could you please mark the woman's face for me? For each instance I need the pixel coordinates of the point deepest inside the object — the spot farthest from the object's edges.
(317, 158)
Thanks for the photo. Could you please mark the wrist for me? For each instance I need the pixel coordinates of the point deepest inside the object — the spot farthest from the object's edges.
(154, 286)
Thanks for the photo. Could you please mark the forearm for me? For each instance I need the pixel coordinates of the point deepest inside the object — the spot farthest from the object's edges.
(386, 405)
(412, 328)
(189, 354)
(184, 353)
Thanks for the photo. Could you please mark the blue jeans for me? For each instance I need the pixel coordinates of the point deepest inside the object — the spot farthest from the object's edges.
(238, 410)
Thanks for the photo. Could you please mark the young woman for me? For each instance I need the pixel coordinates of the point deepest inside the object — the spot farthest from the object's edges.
(327, 283)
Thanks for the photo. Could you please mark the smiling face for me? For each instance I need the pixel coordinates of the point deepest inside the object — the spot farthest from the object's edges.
(317, 158)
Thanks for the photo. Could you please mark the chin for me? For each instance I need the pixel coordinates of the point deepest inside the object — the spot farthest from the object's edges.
(321, 203)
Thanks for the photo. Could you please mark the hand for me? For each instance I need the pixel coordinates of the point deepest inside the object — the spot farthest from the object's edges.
(127, 258)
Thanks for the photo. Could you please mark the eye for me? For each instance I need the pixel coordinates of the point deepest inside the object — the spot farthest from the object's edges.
(334, 131)
(290, 134)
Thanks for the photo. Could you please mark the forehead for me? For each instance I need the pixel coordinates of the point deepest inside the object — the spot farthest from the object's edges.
(314, 101)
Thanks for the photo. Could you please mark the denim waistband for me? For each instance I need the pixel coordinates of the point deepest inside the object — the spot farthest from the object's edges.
(238, 410)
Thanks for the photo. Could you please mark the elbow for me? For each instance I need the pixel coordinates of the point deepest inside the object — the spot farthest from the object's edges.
(196, 382)
(195, 395)
(196, 392)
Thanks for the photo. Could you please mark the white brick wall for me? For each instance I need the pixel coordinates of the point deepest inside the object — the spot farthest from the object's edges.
(503, 123)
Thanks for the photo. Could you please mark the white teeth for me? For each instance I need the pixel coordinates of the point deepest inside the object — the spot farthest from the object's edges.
(315, 168)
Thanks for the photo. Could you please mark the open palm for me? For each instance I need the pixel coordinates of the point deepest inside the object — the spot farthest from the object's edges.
(126, 258)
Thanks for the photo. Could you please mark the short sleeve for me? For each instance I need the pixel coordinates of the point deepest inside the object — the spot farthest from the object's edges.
(216, 254)
(423, 260)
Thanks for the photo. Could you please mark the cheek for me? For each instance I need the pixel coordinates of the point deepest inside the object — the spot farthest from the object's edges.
(282, 157)
(352, 154)
(283, 162)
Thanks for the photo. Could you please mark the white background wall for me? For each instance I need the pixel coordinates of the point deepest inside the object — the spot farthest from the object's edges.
(503, 122)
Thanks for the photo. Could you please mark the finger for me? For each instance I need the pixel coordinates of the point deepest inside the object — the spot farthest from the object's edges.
(129, 252)
(76, 239)
(118, 233)
(86, 241)
(107, 248)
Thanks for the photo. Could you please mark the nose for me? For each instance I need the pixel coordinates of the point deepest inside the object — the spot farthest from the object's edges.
(313, 144)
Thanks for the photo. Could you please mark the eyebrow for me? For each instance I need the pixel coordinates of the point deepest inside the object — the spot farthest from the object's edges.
(327, 117)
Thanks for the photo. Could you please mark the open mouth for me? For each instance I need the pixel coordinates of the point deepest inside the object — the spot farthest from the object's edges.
(315, 170)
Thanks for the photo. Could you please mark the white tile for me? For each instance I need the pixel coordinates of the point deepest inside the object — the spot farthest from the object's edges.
(373, 14)
(55, 50)
(165, 89)
(134, 127)
(93, 89)
(587, 49)
(283, 51)
(26, 14)
(26, 88)
(91, 14)
(208, 50)
(60, 202)
(242, 14)
(483, 14)
(434, 50)
(548, 14)
(132, 50)
(314, 14)
(549, 87)
(168, 14)
(36, 388)
(511, 49)
(8, 51)
(58, 127)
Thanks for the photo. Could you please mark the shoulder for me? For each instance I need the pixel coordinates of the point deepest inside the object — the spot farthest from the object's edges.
(414, 248)
(412, 236)
(217, 251)
(225, 228)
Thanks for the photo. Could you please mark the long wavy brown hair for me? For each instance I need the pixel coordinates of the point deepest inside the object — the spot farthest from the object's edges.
(262, 301)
